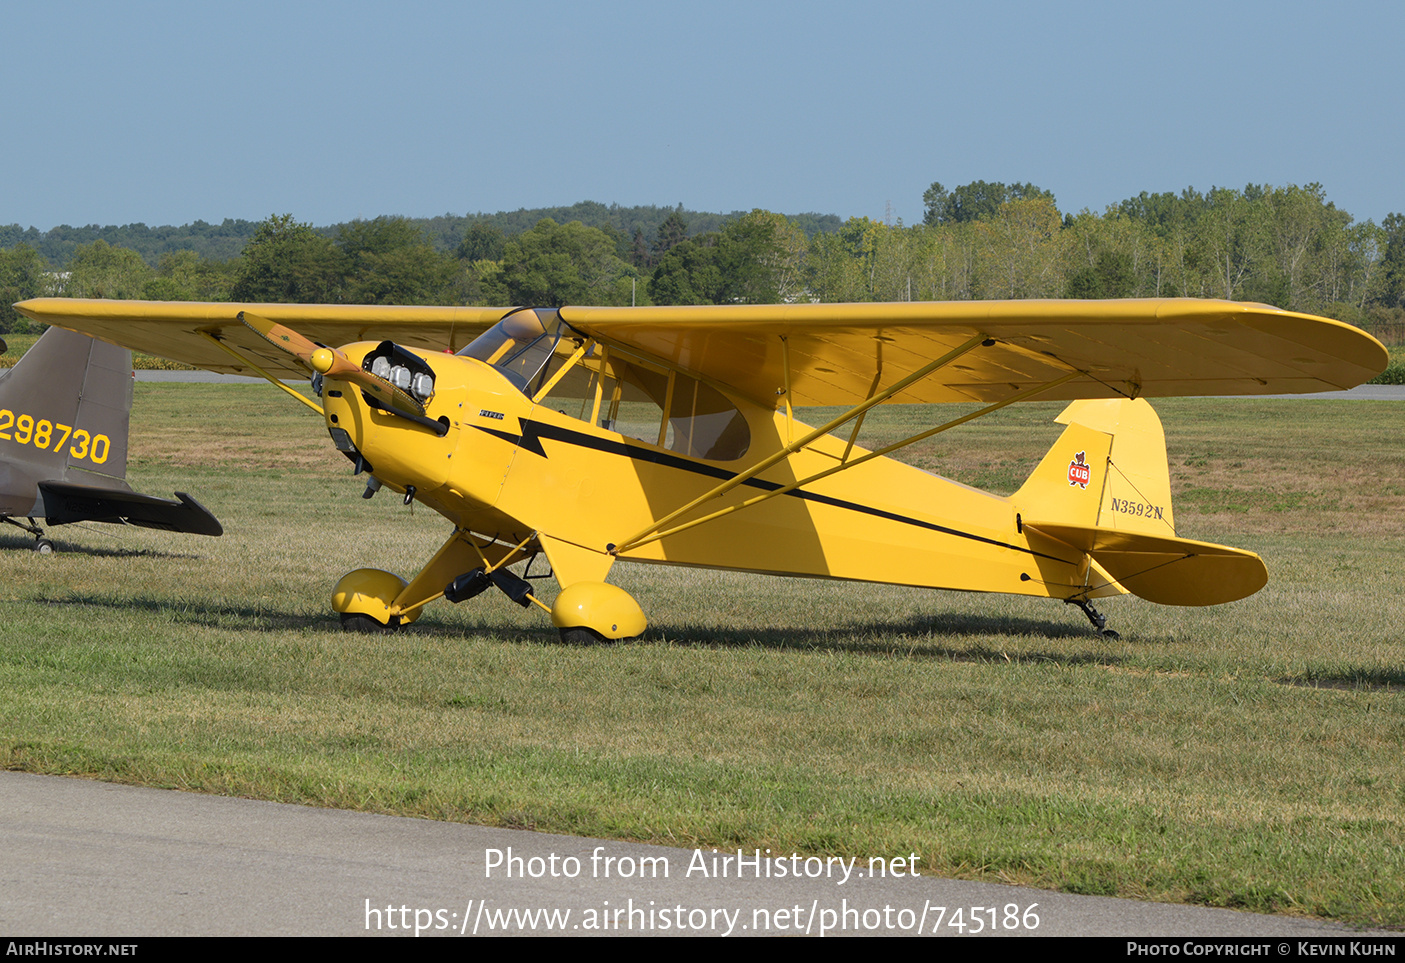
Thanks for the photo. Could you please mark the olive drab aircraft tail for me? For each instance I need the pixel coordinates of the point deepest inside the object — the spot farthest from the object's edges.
(64, 414)
(586, 436)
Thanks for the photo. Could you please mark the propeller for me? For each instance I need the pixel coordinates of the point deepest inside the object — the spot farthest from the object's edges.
(332, 364)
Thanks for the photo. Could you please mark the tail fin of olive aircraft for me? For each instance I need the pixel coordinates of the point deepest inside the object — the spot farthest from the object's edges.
(669, 435)
(64, 411)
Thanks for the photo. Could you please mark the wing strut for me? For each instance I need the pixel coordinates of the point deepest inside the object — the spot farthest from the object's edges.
(653, 535)
(268, 377)
(657, 530)
(789, 412)
(858, 422)
(791, 448)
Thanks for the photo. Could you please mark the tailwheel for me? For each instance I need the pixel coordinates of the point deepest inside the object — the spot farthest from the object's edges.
(1097, 618)
(41, 544)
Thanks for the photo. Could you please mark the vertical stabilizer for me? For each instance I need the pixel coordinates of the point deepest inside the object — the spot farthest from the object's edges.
(1123, 483)
(65, 409)
(1068, 483)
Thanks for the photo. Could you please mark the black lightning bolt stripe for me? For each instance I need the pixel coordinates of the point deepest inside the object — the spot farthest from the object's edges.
(534, 431)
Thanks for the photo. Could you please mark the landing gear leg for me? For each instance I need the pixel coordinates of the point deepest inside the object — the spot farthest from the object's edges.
(1097, 618)
(41, 544)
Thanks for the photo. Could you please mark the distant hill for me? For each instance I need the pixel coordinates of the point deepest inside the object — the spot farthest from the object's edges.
(220, 242)
(213, 242)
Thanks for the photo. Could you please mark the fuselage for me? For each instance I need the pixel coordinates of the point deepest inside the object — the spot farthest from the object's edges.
(513, 469)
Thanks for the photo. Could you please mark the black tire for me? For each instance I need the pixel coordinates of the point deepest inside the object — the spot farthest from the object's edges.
(366, 625)
(44, 547)
(580, 635)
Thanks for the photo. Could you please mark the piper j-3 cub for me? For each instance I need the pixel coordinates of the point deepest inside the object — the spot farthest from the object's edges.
(64, 413)
(596, 435)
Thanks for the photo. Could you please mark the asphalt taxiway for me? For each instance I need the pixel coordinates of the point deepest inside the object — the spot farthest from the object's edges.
(95, 859)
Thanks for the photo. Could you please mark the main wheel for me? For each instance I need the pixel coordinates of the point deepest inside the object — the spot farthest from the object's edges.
(591, 612)
(580, 635)
(44, 547)
(368, 593)
(366, 625)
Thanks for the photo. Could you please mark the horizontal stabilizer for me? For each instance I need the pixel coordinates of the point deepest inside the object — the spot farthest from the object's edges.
(1168, 571)
(65, 503)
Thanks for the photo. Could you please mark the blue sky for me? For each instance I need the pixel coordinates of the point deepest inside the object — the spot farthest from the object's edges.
(168, 112)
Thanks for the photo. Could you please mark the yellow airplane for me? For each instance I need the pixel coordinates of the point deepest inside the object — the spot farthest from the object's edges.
(667, 435)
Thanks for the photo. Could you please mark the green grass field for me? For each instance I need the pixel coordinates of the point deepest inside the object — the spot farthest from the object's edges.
(1248, 755)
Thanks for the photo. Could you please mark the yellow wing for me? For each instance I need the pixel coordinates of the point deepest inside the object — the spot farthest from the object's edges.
(173, 329)
(1151, 348)
(828, 353)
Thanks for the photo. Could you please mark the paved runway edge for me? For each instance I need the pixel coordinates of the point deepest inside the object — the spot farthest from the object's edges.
(94, 859)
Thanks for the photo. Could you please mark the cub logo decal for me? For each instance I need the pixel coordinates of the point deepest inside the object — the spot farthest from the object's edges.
(1078, 471)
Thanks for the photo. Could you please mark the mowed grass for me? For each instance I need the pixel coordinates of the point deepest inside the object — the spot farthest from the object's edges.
(1247, 755)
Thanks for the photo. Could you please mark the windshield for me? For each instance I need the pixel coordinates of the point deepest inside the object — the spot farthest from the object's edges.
(519, 345)
(617, 392)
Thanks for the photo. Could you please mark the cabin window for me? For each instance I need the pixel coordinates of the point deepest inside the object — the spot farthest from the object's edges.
(616, 391)
(705, 424)
(629, 396)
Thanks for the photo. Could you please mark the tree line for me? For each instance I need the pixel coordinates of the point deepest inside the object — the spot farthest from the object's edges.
(1287, 246)
(446, 231)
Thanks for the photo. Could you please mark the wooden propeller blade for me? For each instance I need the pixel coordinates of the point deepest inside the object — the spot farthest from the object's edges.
(332, 363)
(280, 336)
